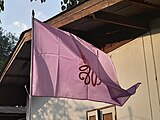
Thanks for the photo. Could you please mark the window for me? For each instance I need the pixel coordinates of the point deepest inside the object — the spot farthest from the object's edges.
(92, 117)
(105, 113)
(107, 116)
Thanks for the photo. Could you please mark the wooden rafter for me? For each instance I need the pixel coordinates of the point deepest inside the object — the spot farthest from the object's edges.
(119, 20)
(145, 4)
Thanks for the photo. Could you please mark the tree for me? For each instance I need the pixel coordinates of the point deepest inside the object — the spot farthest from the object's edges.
(1, 5)
(42, 1)
(67, 4)
(7, 43)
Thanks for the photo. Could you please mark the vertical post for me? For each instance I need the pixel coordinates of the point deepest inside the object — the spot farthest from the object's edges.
(31, 67)
(32, 46)
(99, 114)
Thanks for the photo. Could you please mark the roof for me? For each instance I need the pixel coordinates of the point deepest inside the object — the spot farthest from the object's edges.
(8, 109)
(99, 22)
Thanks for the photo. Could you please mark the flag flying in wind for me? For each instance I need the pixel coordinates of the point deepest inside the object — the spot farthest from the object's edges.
(65, 66)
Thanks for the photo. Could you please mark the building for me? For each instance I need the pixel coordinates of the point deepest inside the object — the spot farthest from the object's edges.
(129, 30)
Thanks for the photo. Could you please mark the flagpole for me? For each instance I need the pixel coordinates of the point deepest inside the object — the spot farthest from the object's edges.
(32, 45)
(31, 66)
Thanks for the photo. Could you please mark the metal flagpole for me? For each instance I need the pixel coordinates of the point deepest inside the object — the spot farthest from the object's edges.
(31, 66)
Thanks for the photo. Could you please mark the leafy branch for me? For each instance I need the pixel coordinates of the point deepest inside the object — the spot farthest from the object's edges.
(42, 1)
(1, 5)
(67, 4)
(7, 44)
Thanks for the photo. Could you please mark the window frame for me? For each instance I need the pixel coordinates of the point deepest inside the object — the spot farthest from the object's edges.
(99, 112)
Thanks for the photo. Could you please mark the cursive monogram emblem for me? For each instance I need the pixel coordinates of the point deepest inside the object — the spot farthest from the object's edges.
(88, 75)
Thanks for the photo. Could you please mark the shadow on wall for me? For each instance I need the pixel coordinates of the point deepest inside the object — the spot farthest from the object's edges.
(49, 109)
(131, 116)
(81, 107)
(58, 109)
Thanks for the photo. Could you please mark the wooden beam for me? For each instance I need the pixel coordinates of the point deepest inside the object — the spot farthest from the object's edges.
(112, 46)
(76, 32)
(80, 11)
(101, 36)
(146, 4)
(119, 20)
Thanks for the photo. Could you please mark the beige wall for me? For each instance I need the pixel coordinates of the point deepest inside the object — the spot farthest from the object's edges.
(139, 61)
(61, 109)
(136, 61)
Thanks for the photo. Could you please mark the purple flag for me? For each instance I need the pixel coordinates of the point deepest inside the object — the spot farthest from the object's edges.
(65, 66)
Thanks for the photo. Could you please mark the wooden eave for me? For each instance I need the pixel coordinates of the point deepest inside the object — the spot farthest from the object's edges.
(87, 9)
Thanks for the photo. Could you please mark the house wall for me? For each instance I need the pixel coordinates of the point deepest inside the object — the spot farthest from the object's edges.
(139, 61)
(136, 61)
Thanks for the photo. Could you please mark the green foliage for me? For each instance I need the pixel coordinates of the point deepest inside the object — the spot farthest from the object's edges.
(7, 43)
(1, 5)
(67, 4)
(42, 1)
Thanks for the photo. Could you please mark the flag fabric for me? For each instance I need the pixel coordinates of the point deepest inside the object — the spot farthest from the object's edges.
(65, 66)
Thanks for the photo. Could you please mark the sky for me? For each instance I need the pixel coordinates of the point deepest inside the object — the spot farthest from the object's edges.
(17, 14)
